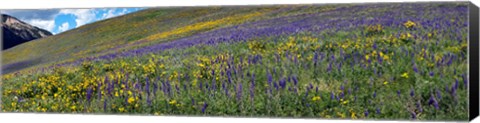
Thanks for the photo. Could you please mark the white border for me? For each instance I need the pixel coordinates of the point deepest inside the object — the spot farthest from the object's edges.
(35, 4)
(62, 118)
(69, 118)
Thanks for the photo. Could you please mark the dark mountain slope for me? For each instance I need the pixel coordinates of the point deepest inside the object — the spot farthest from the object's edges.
(15, 32)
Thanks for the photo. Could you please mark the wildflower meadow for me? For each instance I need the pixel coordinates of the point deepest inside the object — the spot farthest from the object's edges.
(395, 61)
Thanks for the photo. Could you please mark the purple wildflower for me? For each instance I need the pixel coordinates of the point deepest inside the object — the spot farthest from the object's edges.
(270, 79)
(329, 67)
(282, 83)
(229, 77)
(239, 91)
(433, 101)
(415, 68)
(155, 87)
(465, 80)
(89, 93)
(214, 84)
(413, 114)
(275, 85)
(205, 105)
(295, 80)
(439, 94)
(252, 87)
(455, 86)
(332, 96)
(306, 94)
(147, 86)
(366, 113)
(419, 107)
(206, 86)
(200, 85)
(447, 88)
(105, 105)
(412, 93)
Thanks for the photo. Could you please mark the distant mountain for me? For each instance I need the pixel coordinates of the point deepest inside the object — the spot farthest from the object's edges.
(16, 32)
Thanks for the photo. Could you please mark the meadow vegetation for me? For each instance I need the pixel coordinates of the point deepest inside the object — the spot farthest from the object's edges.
(367, 61)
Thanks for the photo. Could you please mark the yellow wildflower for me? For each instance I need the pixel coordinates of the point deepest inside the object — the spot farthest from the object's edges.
(353, 115)
(341, 115)
(343, 101)
(405, 75)
(130, 100)
(201, 65)
(316, 98)
(73, 107)
(409, 24)
(386, 57)
(54, 107)
(173, 102)
(121, 109)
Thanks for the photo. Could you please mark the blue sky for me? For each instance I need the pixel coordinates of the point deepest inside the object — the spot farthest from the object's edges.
(60, 20)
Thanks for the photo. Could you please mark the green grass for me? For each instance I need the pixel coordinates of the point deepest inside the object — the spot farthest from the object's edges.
(65, 89)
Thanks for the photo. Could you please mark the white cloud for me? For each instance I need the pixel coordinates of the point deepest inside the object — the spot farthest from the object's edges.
(83, 16)
(111, 13)
(45, 19)
(44, 24)
(124, 11)
(63, 27)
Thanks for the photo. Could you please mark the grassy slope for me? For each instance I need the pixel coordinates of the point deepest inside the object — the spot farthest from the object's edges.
(193, 66)
(104, 36)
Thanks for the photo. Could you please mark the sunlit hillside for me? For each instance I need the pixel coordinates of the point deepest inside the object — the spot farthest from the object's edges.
(396, 61)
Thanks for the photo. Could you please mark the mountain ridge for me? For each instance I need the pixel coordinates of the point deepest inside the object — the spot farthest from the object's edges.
(16, 32)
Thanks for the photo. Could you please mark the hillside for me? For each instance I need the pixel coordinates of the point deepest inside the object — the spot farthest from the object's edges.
(128, 32)
(16, 32)
(394, 61)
